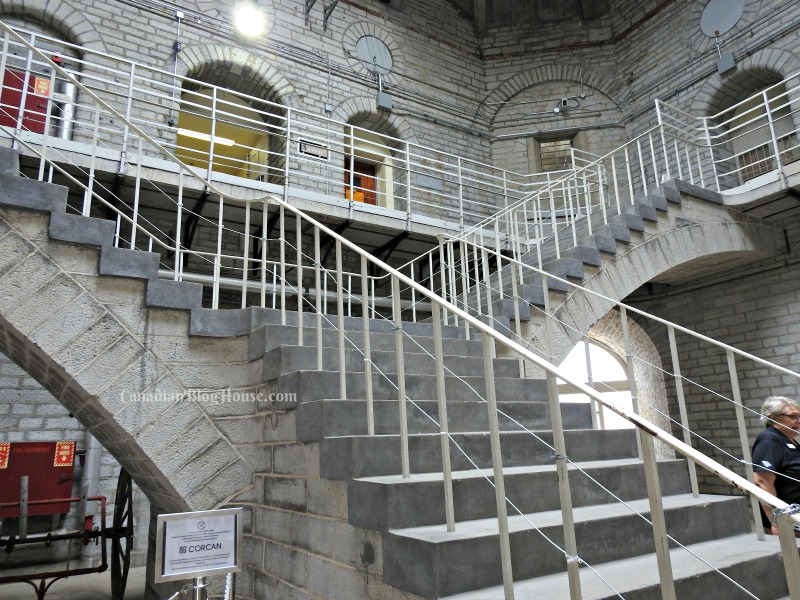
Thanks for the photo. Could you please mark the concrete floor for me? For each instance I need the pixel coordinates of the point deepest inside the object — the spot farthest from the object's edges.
(95, 586)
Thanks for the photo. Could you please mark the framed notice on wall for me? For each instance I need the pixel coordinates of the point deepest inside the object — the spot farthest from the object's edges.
(197, 544)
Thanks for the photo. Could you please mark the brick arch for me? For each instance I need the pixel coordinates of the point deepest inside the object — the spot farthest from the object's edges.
(72, 25)
(606, 84)
(362, 111)
(723, 240)
(753, 72)
(651, 391)
(94, 347)
(227, 66)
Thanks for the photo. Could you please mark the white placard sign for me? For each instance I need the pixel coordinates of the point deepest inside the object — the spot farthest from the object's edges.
(196, 544)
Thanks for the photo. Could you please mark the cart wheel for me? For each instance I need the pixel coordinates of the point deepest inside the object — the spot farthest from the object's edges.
(121, 535)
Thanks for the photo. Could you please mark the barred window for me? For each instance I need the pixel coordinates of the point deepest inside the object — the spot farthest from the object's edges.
(556, 155)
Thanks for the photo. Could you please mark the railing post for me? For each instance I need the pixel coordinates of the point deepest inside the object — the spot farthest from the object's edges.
(178, 233)
(773, 135)
(299, 266)
(137, 189)
(401, 377)
(659, 116)
(408, 184)
(623, 317)
(443, 272)
(264, 226)
(87, 195)
(318, 286)
(282, 219)
(462, 247)
(660, 536)
(711, 157)
(47, 118)
(562, 464)
(218, 256)
(245, 254)
(444, 434)
(687, 436)
(123, 154)
(23, 101)
(747, 457)
(287, 155)
(497, 468)
(213, 132)
(366, 346)
(460, 198)
(340, 321)
(791, 559)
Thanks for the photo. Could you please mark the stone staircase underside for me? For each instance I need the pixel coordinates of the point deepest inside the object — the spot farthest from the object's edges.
(329, 515)
(676, 234)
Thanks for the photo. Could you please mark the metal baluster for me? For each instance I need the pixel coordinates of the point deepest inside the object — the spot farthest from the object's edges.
(178, 222)
(687, 432)
(562, 464)
(340, 315)
(497, 467)
(401, 377)
(137, 189)
(283, 262)
(246, 255)
(367, 346)
(444, 434)
(660, 536)
(318, 286)
(218, 256)
(299, 247)
(747, 457)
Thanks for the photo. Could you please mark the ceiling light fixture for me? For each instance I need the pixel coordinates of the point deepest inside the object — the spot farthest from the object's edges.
(205, 137)
(249, 20)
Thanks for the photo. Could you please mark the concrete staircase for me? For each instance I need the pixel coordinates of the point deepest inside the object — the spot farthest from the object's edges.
(421, 557)
(416, 555)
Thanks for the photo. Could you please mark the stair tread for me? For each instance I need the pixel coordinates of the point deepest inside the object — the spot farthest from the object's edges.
(637, 572)
(479, 528)
(507, 471)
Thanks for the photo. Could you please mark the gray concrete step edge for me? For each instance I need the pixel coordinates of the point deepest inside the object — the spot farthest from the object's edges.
(338, 418)
(467, 558)
(738, 556)
(395, 502)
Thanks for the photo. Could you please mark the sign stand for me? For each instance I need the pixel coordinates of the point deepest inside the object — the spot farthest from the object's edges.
(195, 545)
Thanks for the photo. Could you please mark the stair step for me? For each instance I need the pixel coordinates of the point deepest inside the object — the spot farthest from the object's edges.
(352, 457)
(336, 418)
(395, 502)
(268, 337)
(756, 565)
(321, 385)
(289, 358)
(232, 322)
(467, 559)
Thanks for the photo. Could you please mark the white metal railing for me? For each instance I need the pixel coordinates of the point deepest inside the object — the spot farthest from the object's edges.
(358, 289)
(242, 139)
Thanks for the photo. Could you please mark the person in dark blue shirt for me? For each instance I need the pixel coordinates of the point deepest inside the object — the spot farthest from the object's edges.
(776, 454)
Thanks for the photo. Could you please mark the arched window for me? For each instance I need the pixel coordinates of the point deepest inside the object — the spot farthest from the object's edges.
(609, 377)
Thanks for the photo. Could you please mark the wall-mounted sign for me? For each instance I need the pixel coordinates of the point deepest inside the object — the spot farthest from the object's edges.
(311, 149)
(197, 544)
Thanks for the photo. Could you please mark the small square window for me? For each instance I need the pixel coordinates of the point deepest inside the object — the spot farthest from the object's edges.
(556, 155)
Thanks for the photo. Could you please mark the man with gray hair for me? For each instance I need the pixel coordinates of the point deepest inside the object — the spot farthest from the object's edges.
(776, 454)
